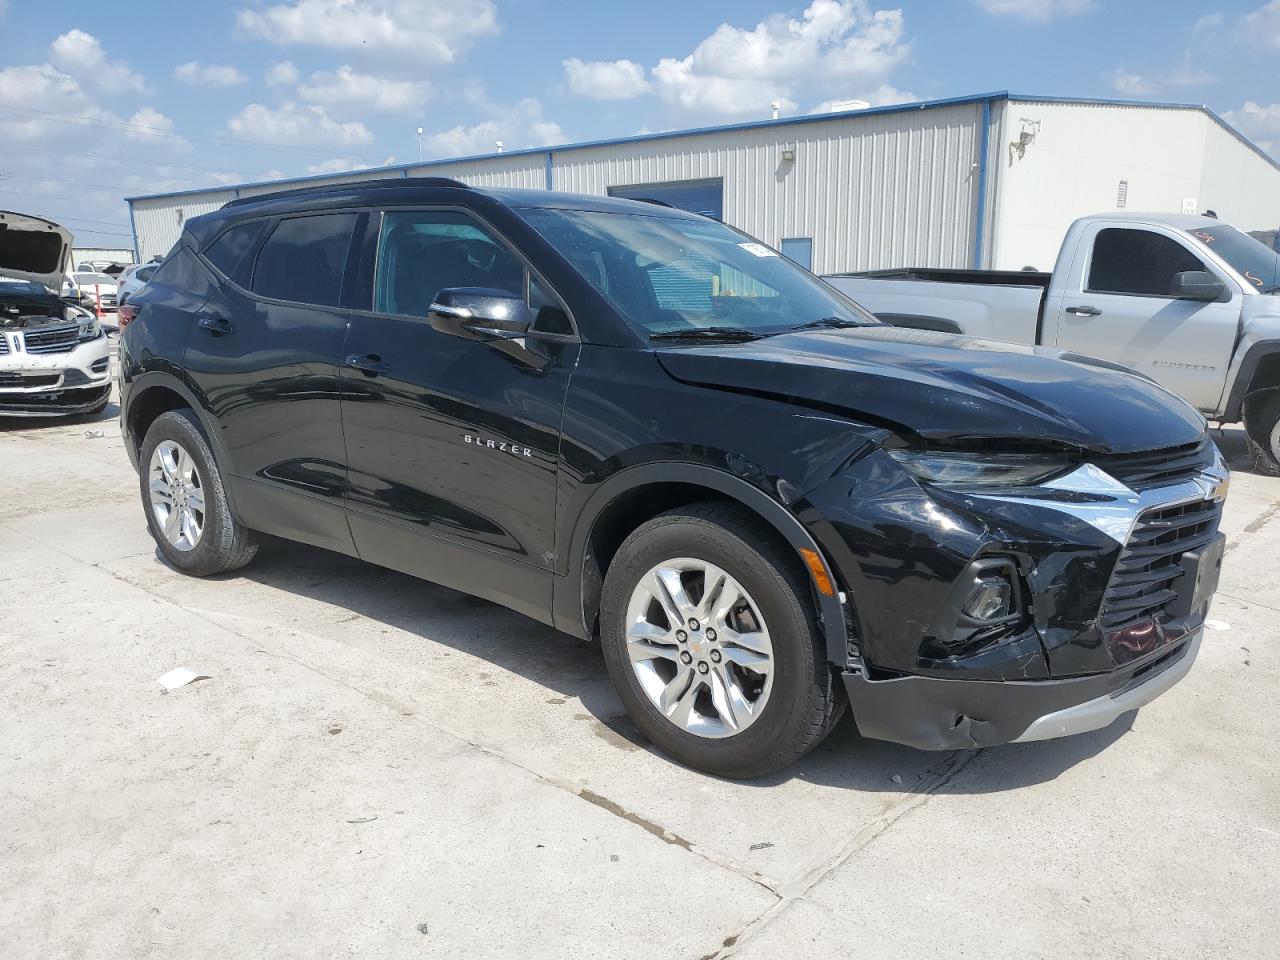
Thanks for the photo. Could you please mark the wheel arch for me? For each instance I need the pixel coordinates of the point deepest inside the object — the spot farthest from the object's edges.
(1259, 370)
(632, 496)
(155, 393)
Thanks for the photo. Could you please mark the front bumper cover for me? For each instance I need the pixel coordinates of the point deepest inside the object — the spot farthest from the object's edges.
(930, 713)
(54, 384)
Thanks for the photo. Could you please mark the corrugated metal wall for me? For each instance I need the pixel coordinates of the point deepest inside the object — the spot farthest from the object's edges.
(874, 190)
(1081, 151)
(157, 221)
(871, 191)
(1240, 185)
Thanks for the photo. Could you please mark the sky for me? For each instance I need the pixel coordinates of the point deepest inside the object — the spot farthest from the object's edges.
(103, 100)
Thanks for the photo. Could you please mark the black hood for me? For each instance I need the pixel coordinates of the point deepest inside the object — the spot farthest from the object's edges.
(950, 388)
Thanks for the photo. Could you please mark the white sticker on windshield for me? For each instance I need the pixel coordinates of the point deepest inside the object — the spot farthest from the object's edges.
(757, 249)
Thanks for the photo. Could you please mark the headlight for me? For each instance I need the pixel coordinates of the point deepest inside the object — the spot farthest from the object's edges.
(89, 329)
(978, 470)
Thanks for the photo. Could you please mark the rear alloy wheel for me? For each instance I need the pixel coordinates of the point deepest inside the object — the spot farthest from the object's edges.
(177, 495)
(185, 502)
(711, 641)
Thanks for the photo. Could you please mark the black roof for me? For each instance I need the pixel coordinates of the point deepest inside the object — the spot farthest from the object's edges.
(409, 191)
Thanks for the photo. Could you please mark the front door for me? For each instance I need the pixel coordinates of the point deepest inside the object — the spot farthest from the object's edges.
(452, 444)
(265, 353)
(1115, 304)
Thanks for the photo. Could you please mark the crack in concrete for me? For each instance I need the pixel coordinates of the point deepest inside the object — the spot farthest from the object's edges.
(943, 773)
(217, 619)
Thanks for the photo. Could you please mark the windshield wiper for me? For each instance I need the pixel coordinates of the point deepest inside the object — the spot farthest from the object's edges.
(712, 334)
(831, 323)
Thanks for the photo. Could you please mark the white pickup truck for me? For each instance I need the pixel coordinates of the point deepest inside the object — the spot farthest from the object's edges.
(1186, 300)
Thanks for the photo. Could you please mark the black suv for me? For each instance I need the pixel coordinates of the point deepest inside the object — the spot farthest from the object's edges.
(642, 426)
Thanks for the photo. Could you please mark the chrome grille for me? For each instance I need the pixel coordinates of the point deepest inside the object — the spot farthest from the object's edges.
(4, 344)
(1142, 584)
(58, 340)
(1158, 468)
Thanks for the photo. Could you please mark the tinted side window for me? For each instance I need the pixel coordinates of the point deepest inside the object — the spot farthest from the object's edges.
(304, 258)
(144, 274)
(1137, 262)
(228, 250)
(421, 253)
(549, 315)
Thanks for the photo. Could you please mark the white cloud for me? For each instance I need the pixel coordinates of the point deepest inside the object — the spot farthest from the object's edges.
(519, 125)
(198, 74)
(834, 43)
(1038, 11)
(1209, 21)
(336, 165)
(1132, 84)
(1259, 122)
(81, 55)
(150, 125)
(282, 74)
(1262, 26)
(1188, 73)
(43, 86)
(605, 79)
(885, 95)
(345, 86)
(432, 31)
(292, 124)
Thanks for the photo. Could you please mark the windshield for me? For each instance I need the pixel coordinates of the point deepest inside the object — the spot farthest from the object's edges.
(92, 278)
(1251, 259)
(669, 275)
(22, 288)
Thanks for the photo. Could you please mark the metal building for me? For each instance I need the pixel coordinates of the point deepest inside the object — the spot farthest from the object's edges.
(991, 180)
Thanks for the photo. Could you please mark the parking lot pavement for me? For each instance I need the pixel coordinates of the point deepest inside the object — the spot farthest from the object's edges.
(379, 767)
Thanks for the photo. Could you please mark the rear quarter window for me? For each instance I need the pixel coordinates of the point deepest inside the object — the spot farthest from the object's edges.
(304, 258)
(228, 251)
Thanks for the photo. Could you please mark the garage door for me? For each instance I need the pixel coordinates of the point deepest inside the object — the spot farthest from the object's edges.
(697, 196)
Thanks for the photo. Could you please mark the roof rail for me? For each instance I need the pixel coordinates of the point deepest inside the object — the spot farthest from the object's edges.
(323, 188)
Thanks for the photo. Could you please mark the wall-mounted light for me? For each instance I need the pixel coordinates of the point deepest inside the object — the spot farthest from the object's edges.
(788, 155)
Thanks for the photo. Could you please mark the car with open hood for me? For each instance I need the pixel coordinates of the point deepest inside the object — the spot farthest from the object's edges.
(647, 429)
(54, 356)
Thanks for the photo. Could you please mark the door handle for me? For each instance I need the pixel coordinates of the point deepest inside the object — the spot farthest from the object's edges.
(370, 364)
(1084, 311)
(218, 326)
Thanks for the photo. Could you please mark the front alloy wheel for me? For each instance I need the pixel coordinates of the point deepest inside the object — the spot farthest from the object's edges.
(177, 495)
(699, 647)
(711, 640)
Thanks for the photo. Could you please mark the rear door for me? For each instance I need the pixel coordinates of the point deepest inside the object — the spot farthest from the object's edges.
(265, 356)
(1114, 304)
(453, 444)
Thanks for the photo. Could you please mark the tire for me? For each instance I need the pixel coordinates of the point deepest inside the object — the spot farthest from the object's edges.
(214, 542)
(1262, 428)
(796, 702)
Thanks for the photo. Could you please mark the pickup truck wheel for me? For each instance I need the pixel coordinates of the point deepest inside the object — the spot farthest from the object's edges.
(185, 501)
(1262, 427)
(711, 642)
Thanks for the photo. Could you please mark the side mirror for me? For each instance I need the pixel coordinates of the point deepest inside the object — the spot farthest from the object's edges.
(478, 313)
(1196, 285)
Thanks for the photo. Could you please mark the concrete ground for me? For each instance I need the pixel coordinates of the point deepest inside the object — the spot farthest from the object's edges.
(378, 767)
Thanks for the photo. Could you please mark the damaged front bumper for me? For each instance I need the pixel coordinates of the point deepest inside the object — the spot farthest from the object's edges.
(934, 714)
(53, 384)
(1108, 588)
